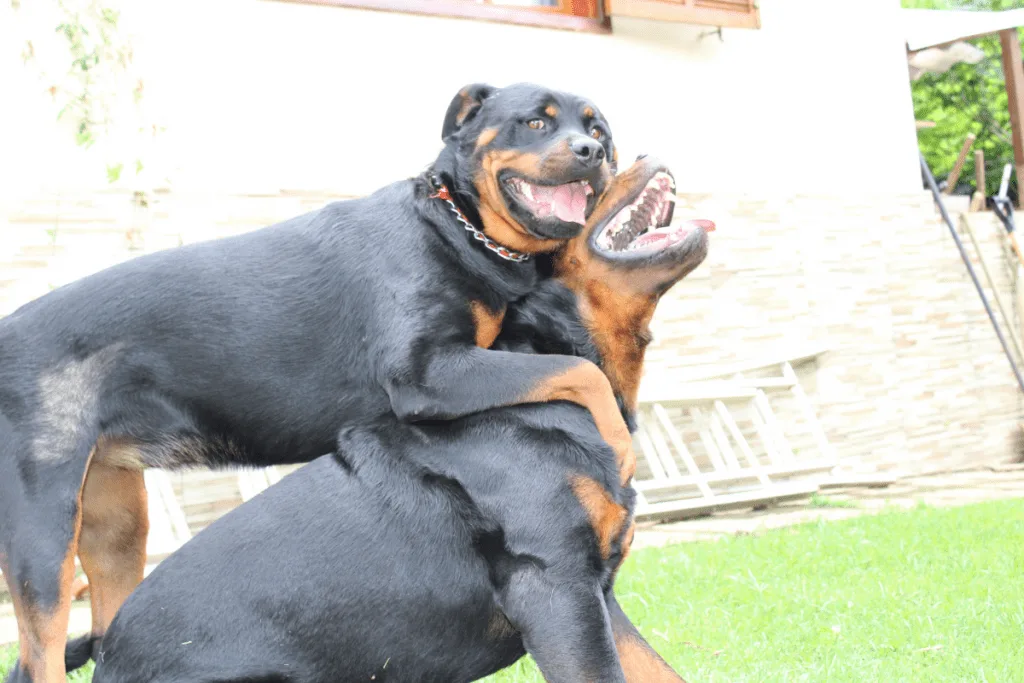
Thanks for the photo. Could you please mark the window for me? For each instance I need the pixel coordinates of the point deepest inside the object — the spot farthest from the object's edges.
(579, 15)
(728, 13)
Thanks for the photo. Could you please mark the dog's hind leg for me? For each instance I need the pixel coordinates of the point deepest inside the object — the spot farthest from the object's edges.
(115, 523)
(41, 520)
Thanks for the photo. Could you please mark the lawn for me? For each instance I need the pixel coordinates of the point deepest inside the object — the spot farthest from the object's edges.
(925, 595)
(921, 595)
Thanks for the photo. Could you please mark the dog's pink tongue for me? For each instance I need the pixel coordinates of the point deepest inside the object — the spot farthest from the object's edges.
(663, 238)
(569, 203)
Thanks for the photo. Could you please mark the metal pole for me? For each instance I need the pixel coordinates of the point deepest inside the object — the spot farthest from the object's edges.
(1003, 209)
(930, 180)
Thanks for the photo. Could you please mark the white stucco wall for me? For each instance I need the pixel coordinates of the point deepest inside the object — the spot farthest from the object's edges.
(258, 94)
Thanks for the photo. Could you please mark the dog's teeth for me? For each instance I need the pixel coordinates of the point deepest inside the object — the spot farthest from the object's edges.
(665, 181)
(527, 190)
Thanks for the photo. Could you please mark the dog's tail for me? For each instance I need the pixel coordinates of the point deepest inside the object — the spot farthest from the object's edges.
(78, 652)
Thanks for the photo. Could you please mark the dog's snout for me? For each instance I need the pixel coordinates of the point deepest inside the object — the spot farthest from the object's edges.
(587, 150)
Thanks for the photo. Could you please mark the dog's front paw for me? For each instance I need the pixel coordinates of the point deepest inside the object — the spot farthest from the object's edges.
(625, 458)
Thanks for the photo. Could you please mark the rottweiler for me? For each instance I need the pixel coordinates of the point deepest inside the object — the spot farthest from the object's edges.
(440, 553)
(258, 349)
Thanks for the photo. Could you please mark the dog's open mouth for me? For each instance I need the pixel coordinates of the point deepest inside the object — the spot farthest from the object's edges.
(566, 202)
(645, 223)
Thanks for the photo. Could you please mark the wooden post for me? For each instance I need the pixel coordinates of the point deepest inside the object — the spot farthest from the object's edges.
(1013, 69)
(979, 170)
(978, 198)
(958, 167)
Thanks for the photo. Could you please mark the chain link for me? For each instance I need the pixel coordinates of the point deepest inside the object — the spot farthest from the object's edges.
(503, 252)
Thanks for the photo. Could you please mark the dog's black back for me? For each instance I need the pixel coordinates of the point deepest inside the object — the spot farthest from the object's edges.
(242, 365)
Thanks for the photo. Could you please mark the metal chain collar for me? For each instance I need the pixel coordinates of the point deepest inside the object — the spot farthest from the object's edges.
(503, 252)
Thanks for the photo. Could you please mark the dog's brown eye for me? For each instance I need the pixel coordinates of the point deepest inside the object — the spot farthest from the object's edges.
(596, 133)
(536, 124)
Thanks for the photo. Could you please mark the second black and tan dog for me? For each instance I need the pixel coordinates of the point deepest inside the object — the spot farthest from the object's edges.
(257, 349)
(440, 553)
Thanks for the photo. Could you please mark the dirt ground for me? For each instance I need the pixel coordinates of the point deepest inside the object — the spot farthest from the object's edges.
(940, 489)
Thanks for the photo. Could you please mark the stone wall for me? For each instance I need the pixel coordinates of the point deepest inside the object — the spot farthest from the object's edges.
(915, 378)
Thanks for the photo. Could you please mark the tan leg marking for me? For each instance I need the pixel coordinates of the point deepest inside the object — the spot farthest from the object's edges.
(587, 386)
(606, 516)
(115, 525)
(488, 323)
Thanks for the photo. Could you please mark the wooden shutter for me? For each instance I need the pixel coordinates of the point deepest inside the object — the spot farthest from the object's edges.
(729, 13)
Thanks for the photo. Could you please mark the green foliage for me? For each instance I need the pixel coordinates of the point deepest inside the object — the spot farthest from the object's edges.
(99, 69)
(962, 4)
(99, 58)
(969, 98)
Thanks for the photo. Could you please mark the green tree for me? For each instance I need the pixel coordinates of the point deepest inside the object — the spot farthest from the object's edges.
(969, 98)
(93, 77)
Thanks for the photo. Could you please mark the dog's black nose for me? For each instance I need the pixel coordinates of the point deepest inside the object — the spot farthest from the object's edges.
(588, 151)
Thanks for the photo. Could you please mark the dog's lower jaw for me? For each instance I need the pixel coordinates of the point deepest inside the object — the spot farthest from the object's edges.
(509, 233)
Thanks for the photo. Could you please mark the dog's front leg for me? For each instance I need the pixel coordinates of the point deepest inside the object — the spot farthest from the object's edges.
(565, 625)
(640, 663)
(456, 381)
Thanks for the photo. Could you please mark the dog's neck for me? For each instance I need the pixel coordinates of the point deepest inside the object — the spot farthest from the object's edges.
(441, 192)
(492, 279)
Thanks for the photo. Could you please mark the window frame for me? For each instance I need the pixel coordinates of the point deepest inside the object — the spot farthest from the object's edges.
(576, 15)
(694, 12)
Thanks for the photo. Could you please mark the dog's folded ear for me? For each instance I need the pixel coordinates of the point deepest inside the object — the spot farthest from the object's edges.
(464, 107)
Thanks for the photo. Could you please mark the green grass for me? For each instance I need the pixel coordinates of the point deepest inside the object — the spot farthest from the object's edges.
(923, 595)
(820, 501)
(7, 657)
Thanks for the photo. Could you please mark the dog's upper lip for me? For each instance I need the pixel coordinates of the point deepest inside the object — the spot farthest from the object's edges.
(569, 201)
(510, 177)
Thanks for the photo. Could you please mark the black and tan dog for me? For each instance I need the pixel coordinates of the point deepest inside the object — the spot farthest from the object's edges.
(440, 553)
(257, 349)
